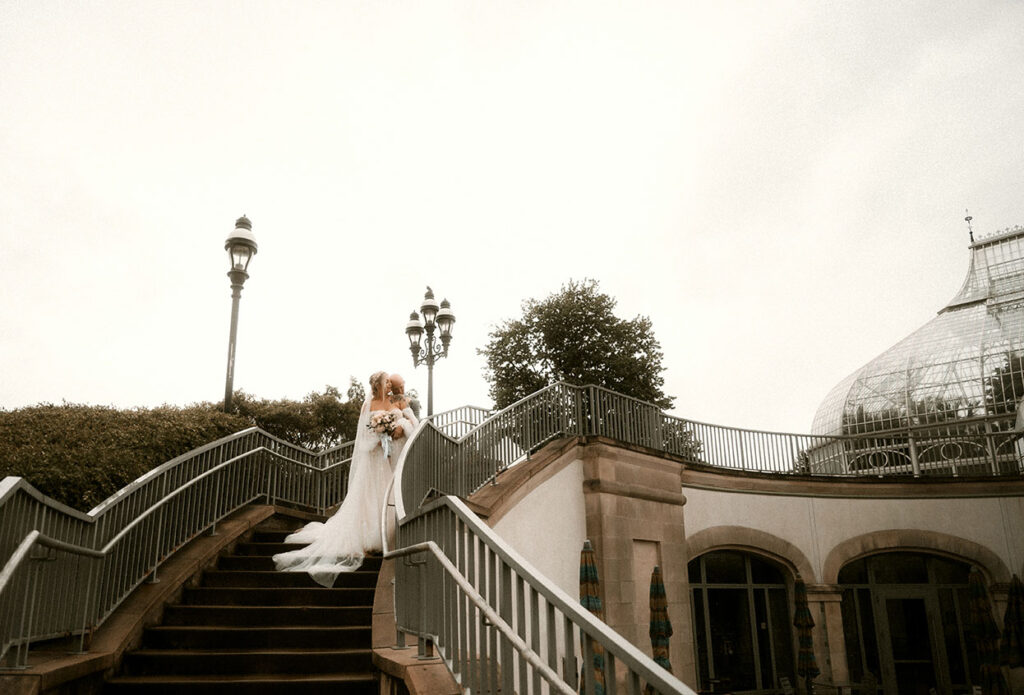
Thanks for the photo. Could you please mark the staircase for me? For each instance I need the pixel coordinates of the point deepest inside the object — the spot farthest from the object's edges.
(250, 629)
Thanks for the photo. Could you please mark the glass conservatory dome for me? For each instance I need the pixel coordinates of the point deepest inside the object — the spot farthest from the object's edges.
(964, 365)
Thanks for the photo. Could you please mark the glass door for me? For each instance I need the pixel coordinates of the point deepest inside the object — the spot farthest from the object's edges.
(909, 624)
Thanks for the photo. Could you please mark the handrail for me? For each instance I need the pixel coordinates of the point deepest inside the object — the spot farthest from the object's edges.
(70, 524)
(13, 484)
(474, 596)
(194, 453)
(155, 514)
(510, 587)
(414, 487)
(137, 521)
(444, 456)
(459, 464)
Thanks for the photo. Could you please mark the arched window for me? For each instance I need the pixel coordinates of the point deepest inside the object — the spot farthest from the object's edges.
(903, 621)
(742, 615)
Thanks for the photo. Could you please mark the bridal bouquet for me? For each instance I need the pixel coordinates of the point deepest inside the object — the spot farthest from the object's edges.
(383, 425)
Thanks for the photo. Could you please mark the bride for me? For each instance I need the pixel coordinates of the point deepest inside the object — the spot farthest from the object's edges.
(339, 544)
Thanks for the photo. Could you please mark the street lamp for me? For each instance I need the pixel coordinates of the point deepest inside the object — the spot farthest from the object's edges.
(435, 316)
(241, 247)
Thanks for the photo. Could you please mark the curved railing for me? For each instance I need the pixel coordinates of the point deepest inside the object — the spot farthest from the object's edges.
(453, 453)
(65, 571)
(458, 421)
(500, 623)
(437, 461)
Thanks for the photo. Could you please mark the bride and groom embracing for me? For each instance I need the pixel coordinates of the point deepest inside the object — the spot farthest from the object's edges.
(340, 543)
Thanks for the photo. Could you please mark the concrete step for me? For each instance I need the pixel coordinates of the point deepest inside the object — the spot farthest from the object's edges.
(258, 563)
(267, 616)
(267, 638)
(148, 662)
(267, 536)
(266, 549)
(251, 630)
(290, 684)
(246, 578)
(277, 596)
(265, 563)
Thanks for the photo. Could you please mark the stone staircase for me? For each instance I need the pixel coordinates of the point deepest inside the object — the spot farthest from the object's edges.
(250, 629)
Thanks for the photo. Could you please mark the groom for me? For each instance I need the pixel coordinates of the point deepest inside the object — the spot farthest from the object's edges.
(398, 395)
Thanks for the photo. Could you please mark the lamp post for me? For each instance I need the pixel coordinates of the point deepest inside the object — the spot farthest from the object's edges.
(241, 247)
(435, 316)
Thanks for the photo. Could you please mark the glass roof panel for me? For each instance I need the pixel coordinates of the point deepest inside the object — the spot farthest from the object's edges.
(965, 362)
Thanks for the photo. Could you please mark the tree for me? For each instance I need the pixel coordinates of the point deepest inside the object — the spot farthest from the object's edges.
(319, 421)
(573, 335)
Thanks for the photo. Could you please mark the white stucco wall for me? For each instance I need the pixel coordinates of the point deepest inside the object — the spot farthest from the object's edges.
(549, 525)
(817, 525)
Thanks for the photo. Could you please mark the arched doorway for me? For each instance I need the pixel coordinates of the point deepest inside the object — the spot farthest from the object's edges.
(903, 618)
(742, 614)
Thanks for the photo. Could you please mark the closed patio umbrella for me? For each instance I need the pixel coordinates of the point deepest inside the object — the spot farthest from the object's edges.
(806, 663)
(985, 634)
(1011, 647)
(661, 627)
(590, 598)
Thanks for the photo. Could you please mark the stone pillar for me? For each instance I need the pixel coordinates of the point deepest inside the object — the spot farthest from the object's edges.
(825, 602)
(634, 509)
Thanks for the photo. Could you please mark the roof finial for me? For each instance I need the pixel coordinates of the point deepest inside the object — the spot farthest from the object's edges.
(970, 230)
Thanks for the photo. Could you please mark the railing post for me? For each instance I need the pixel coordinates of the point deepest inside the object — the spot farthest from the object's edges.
(577, 395)
(990, 445)
(914, 463)
(658, 431)
(321, 479)
(399, 634)
(159, 530)
(91, 564)
(215, 501)
(21, 649)
(592, 402)
(271, 481)
(424, 645)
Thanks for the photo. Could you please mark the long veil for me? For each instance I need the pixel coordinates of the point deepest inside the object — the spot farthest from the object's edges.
(339, 544)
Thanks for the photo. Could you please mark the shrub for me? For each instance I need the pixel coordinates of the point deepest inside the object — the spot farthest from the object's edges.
(318, 422)
(82, 454)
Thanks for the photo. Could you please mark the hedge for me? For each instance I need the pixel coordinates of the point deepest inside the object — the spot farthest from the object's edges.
(81, 454)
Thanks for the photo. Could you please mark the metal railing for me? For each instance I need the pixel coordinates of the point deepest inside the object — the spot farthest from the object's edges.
(458, 421)
(64, 572)
(497, 622)
(458, 464)
(66, 589)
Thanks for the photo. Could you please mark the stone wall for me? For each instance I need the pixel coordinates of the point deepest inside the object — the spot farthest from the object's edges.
(639, 508)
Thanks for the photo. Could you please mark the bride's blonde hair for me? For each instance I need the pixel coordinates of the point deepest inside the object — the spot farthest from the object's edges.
(377, 380)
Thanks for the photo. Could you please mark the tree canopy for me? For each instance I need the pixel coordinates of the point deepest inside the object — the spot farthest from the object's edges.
(573, 335)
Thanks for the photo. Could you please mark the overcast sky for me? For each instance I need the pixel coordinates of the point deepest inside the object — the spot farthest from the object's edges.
(779, 186)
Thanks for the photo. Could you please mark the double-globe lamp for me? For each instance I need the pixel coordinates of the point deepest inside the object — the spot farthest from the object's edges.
(241, 247)
(435, 316)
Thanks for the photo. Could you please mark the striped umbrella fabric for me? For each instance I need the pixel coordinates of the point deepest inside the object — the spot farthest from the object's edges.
(661, 627)
(806, 663)
(985, 633)
(1011, 647)
(590, 598)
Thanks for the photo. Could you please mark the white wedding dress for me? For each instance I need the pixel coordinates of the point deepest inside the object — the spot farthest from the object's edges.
(339, 544)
